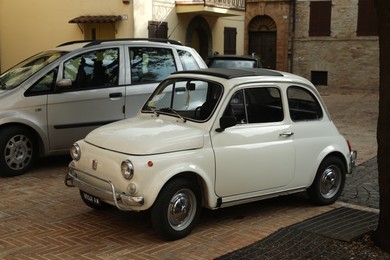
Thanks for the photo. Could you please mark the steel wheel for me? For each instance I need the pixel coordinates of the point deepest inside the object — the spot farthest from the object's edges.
(182, 209)
(176, 209)
(329, 181)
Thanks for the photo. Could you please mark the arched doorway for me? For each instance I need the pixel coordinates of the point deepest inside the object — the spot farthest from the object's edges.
(262, 40)
(199, 36)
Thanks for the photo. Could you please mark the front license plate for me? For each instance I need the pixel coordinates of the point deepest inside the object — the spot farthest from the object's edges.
(91, 198)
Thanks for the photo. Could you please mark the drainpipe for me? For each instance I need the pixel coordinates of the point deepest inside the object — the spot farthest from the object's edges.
(292, 32)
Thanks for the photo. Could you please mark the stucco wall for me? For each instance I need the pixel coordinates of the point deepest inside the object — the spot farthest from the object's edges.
(27, 27)
(350, 61)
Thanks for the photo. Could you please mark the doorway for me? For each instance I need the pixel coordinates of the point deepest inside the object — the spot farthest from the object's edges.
(199, 36)
(262, 40)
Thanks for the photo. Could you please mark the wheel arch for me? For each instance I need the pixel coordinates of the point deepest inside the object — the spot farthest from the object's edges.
(37, 136)
(207, 199)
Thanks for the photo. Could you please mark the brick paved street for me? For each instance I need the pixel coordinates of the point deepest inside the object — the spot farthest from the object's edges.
(42, 219)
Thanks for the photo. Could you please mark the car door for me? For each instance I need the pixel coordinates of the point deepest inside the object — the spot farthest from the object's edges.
(94, 97)
(256, 155)
(148, 65)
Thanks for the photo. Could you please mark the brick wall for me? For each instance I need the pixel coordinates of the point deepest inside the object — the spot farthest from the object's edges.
(349, 60)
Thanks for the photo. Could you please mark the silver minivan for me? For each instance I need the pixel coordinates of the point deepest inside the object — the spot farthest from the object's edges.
(56, 97)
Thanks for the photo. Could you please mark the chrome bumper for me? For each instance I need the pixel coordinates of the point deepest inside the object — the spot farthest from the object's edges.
(352, 163)
(119, 200)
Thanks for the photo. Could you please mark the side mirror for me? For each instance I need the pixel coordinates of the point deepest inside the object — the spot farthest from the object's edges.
(64, 83)
(226, 122)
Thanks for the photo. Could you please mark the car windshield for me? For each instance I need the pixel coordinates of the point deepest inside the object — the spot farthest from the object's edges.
(232, 63)
(19, 73)
(191, 99)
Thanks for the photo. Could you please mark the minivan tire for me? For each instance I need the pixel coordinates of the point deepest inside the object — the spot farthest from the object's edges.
(18, 151)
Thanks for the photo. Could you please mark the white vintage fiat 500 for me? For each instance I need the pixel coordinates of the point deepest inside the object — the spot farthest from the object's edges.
(213, 138)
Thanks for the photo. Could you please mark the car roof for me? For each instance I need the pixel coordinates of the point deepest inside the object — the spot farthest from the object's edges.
(254, 73)
(74, 45)
(232, 57)
(228, 73)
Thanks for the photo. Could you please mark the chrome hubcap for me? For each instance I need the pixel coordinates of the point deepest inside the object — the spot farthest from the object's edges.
(182, 209)
(330, 182)
(18, 152)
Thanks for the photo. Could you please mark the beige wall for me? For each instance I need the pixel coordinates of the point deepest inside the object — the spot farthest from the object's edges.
(27, 27)
(350, 61)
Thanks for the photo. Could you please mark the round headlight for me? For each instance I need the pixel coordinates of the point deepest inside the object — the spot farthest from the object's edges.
(75, 152)
(127, 169)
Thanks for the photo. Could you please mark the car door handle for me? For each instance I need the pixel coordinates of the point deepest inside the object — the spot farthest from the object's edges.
(116, 95)
(286, 134)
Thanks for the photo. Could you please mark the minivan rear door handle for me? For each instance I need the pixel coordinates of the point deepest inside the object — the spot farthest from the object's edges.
(116, 95)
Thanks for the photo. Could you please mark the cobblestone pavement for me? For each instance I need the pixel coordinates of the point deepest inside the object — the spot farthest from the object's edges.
(362, 187)
(42, 219)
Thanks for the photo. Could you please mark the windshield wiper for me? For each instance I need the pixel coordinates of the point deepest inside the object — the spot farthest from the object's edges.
(169, 109)
(153, 109)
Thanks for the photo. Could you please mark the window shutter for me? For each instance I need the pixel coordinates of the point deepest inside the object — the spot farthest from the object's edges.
(367, 19)
(320, 18)
(230, 35)
(158, 29)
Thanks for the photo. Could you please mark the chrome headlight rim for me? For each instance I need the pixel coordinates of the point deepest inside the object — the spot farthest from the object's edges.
(75, 152)
(127, 169)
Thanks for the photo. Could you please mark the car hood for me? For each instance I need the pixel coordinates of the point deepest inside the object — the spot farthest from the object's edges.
(141, 136)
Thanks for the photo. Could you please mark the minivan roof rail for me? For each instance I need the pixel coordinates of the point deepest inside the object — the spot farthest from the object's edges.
(97, 42)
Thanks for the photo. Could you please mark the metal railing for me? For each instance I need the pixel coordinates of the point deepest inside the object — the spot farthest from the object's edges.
(228, 4)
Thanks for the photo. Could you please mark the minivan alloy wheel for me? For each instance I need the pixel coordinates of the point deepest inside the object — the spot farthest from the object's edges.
(17, 148)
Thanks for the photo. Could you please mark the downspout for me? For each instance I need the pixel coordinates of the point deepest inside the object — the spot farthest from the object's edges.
(293, 6)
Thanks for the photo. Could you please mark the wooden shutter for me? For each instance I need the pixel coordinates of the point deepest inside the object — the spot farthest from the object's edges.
(230, 40)
(158, 29)
(367, 19)
(320, 18)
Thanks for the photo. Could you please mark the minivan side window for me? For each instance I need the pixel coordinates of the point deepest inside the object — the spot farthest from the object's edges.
(256, 105)
(149, 64)
(303, 106)
(187, 60)
(98, 68)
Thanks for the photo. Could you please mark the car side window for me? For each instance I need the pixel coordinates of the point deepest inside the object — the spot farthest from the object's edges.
(44, 85)
(256, 105)
(187, 60)
(303, 106)
(98, 68)
(149, 64)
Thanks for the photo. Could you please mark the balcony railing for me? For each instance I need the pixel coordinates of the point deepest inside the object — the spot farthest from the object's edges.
(227, 4)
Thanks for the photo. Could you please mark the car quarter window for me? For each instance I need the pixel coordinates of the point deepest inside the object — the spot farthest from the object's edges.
(256, 105)
(98, 68)
(187, 60)
(150, 64)
(303, 105)
(44, 85)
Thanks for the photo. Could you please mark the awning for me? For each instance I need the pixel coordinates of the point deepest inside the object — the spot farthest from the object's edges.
(96, 19)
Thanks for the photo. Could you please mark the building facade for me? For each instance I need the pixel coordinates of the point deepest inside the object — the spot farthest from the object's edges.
(330, 42)
(336, 43)
(206, 25)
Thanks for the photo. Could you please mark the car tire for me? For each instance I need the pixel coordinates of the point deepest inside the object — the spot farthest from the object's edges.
(176, 209)
(18, 151)
(102, 205)
(329, 182)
